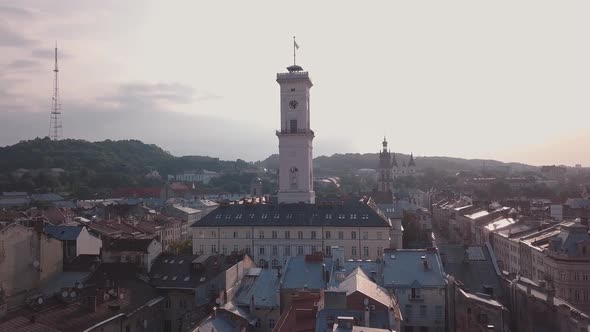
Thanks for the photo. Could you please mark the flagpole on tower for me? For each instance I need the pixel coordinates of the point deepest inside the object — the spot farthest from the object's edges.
(294, 48)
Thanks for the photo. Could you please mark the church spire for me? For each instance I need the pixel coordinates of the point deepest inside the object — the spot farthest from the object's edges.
(412, 162)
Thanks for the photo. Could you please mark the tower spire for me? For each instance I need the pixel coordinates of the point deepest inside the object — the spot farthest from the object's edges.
(55, 126)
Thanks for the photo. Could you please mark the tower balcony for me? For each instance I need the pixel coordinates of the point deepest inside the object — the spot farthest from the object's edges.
(288, 132)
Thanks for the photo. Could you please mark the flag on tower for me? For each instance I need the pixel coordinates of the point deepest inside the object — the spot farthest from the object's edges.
(296, 45)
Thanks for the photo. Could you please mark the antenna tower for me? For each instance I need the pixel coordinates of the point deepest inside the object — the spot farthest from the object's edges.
(55, 126)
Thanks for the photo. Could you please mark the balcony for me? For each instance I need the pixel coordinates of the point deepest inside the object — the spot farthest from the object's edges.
(295, 132)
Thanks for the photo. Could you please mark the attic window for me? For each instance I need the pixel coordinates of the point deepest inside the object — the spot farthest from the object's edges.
(251, 215)
(172, 261)
(365, 216)
(239, 216)
(165, 261)
(289, 216)
(218, 216)
(202, 279)
(341, 216)
(228, 216)
(277, 216)
(165, 278)
(328, 216)
(353, 216)
(264, 216)
(182, 261)
(174, 278)
(187, 278)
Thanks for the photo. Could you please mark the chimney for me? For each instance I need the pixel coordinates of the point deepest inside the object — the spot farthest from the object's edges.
(252, 305)
(367, 315)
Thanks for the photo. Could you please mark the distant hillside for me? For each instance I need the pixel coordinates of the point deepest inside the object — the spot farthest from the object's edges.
(339, 163)
(128, 156)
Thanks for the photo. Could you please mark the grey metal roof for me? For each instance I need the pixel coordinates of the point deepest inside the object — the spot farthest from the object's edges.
(177, 271)
(405, 268)
(475, 272)
(63, 233)
(261, 286)
(350, 214)
(376, 318)
(300, 273)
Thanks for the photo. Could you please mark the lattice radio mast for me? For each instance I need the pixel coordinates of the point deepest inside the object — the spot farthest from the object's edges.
(55, 126)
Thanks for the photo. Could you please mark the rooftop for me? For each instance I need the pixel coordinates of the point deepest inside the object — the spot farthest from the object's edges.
(358, 281)
(260, 285)
(306, 272)
(356, 214)
(129, 244)
(63, 233)
(472, 266)
(406, 268)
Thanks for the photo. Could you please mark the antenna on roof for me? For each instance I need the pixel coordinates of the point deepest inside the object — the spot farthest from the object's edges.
(55, 125)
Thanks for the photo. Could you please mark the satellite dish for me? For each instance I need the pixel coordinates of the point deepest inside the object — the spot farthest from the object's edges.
(121, 296)
(73, 294)
(106, 297)
(112, 292)
(40, 300)
(80, 286)
(217, 301)
(64, 294)
(366, 301)
(36, 264)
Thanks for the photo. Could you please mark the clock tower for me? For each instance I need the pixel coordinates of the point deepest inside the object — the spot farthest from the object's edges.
(295, 138)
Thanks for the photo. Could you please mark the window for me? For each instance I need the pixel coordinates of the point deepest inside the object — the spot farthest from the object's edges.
(224, 249)
(287, 251)
(353, 253)
(340, 235)
(328, 251)
(274, 264)
(313, 249)
(201, 248)
(247, 234)
(353, 216)
(408, 312)
(287, 235)
(213, 234)
(365, 235)
(379, 251)
(353, 235)
(261, 250)
(277, 215)
(313, 234)
(438, 313)
(275, 250)
(213, 249)
(299, 250)
(328, 235)
(168, 303)
(379, 235)
(366, 251)
(247, 249)
(585, 276)
(264, 216)
(271, 323)
(293, 126)
(328, 216)
(236, 248)
(235, 235)
(257, 323)
(422, 311)
(261, 234)
(341, 216)
(300, 235)
(274, 234)
(415, 293)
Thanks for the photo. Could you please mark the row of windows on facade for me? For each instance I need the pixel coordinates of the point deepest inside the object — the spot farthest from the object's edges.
(300, 235)
(287, 250)
(423, 313)
(575, 295)
(289, 216)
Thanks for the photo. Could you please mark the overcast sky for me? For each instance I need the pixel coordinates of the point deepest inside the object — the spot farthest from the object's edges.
(506, 80)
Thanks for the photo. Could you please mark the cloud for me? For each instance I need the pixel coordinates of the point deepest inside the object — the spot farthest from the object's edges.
(7, 11)
(10, 38)
(22, 64)
(132, 96)
(49, 53)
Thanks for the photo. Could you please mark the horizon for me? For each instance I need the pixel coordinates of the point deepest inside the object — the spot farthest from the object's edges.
(181, 78)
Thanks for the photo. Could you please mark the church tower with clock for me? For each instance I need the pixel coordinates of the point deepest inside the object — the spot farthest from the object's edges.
(295, 138)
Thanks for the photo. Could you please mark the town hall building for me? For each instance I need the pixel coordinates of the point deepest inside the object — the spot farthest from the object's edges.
(295, 225)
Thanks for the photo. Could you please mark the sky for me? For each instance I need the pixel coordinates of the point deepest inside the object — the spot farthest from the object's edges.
(505, 80)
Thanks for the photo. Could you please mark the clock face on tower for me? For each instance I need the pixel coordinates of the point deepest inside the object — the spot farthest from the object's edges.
(293, 104)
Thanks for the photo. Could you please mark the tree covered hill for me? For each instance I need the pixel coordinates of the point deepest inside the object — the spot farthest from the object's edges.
(127, 156)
